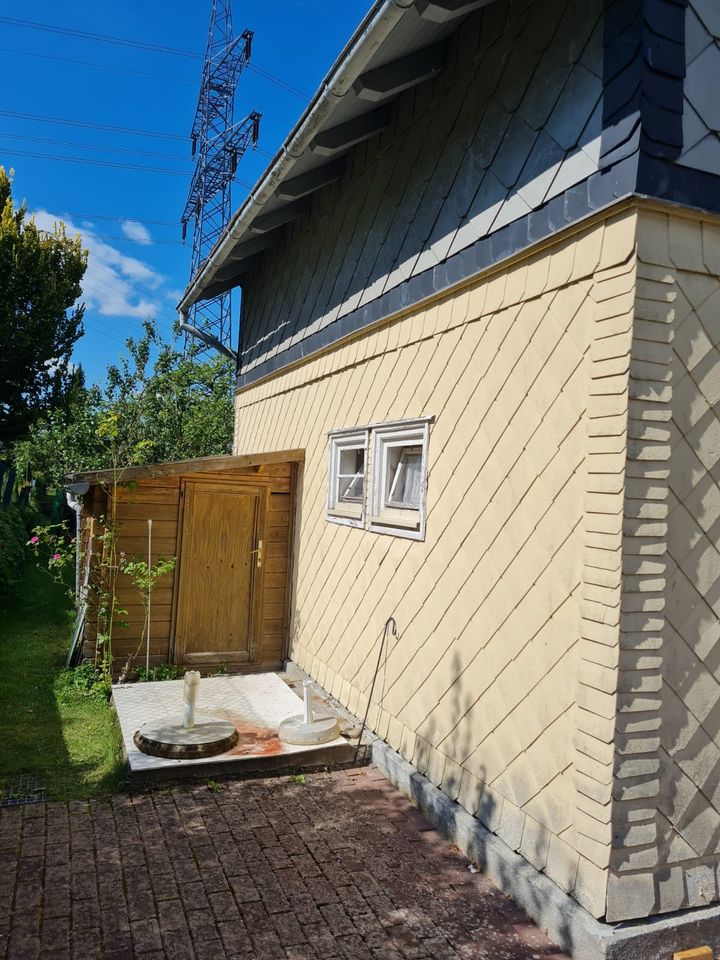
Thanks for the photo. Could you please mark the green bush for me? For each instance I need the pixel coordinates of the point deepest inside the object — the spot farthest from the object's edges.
(13, 537)
(163, 671)
(85, 680)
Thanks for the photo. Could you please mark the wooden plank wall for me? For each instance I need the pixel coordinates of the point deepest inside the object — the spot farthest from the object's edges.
(130, 510)
(276, 583)
(160, 499)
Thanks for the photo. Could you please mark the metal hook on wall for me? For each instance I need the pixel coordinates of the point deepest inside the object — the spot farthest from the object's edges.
(394, 631)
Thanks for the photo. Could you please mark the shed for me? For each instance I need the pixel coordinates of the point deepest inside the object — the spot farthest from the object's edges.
(228, 522)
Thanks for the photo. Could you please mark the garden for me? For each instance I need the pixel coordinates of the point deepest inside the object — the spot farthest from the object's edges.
(58, 735)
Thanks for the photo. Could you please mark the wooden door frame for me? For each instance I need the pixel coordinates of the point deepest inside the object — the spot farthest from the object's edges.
(260, 486)
(290, 575)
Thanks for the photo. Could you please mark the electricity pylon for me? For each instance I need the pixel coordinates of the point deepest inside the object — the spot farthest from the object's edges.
(218, 143)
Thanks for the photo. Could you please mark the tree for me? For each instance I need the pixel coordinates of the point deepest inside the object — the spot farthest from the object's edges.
(40, 321)
(159, 404)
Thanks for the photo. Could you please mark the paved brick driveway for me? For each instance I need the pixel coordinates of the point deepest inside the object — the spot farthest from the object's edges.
(340, 866)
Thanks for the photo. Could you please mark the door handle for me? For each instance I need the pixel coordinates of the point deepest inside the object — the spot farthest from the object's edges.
(258, 551)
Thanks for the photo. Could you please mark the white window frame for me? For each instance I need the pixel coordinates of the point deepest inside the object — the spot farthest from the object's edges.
(378, 438)
(386, 517)
(340, 441)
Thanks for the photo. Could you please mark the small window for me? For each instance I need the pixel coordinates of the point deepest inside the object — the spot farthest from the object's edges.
(377, 477)
(398, 483)
(346, 493)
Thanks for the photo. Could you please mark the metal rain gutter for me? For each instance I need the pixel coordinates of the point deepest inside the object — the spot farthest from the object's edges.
(352, 61)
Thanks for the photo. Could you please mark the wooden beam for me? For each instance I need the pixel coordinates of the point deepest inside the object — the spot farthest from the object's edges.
(399, 75)
(200, 465)
(281, 215)
(219, 287)
(250, 247)
(441, 11)
(346, 135)
(234, 269)
(313, 180)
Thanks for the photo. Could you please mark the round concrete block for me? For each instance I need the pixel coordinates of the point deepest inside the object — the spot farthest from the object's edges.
(174, 742)
(295, 730)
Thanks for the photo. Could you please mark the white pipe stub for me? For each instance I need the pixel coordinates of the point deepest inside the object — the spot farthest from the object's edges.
(304, 729)
(188, 740)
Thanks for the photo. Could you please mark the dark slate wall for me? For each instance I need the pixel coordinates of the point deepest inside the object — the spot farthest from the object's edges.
(643, 77)
(512, 126)
(701, 113)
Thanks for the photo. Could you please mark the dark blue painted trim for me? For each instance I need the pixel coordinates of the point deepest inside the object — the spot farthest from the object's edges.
(665, 180)
(599, 190)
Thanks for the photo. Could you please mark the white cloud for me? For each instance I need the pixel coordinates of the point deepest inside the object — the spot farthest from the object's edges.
(136, 231)
(114, 285)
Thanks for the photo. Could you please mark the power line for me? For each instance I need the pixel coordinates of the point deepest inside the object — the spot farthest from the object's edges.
(105, 216)
(142, 45)
(144, 287)
(95, 146)
(106, 329)
(100, 163)
(331, 9)
(100, 66)
(128, 70)
(266, 75)
(98, 289)
(112, 163)
(112, 128)
(145, 243)
(100, 37)
(107, 236)
(108, 127)
(135, 283)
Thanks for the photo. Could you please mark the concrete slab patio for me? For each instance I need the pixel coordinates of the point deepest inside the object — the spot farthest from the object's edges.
(254, 703)
(337, 866)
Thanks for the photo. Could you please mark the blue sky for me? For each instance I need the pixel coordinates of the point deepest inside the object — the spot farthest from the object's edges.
(137, 267)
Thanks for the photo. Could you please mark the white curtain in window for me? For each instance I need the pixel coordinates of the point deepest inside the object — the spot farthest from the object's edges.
(411, 479)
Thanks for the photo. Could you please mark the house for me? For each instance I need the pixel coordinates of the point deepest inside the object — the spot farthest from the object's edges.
(481, 292)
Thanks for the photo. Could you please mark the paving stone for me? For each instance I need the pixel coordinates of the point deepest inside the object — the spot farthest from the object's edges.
(337, 870)
(146, 935)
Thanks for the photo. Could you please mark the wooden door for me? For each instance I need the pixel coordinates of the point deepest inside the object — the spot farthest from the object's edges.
(219, 574)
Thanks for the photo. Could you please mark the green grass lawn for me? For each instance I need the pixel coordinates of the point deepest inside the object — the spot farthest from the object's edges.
(48, 726)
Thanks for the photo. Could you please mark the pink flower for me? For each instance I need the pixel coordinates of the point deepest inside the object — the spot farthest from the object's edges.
(34, 540)
(56, 556)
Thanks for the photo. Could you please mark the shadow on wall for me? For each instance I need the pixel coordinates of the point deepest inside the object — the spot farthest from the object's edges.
(688, 818)
(466, 823)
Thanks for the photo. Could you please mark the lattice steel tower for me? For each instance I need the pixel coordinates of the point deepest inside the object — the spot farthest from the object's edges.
(218, 143)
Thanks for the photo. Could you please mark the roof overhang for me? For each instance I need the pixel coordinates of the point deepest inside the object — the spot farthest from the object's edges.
(399, 44)
(175, 467)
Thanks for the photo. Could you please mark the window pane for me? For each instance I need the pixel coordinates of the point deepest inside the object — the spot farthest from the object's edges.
(404, 482)
(411, 480)
(351, 474)
(351, 488)
(351, 462)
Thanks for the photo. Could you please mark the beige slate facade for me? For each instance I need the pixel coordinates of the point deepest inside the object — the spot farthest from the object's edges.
(554, 671)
